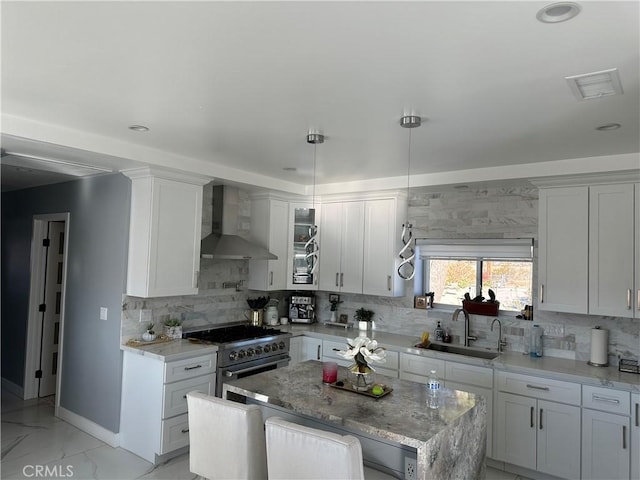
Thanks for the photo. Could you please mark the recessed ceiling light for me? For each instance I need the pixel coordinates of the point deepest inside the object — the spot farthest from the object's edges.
(608, 127)
(290, 169)
(138, 128)
(558, 12)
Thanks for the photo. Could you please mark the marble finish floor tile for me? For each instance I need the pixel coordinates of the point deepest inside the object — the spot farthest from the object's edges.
(33, 438)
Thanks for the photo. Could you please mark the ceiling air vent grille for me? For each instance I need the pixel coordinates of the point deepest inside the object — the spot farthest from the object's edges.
(595, 85)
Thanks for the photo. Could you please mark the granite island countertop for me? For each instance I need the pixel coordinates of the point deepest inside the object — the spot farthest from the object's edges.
(549, 367)
(176, 349)
(401, 416)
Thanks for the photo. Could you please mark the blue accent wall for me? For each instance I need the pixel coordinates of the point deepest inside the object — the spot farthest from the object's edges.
(96, 277)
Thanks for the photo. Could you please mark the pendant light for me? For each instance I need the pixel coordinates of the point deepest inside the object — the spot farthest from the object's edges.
(311, 247)
(407, 269)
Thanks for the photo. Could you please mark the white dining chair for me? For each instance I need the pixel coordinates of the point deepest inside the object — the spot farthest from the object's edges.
(226, 439)
(304, 453)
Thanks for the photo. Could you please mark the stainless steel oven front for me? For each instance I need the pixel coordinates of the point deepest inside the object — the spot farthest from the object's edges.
(246, 369)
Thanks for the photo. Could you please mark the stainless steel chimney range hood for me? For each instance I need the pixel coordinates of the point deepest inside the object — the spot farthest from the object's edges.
(224, 241)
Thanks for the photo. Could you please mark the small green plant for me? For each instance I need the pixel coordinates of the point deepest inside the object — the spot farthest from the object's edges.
(173, 322)
(150, 326)
(363, 315)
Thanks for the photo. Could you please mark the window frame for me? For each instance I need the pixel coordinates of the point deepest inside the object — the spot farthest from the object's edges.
(477, 250)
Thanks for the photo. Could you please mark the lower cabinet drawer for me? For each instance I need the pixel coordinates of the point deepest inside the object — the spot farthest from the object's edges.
(416, 367)
(189, 367)
(546, 389)
(470, 374)
(606, 399)
(175, 394)
(175, 433)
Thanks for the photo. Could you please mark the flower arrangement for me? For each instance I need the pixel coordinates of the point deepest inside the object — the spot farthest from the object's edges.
(363, 315)
(363, 350)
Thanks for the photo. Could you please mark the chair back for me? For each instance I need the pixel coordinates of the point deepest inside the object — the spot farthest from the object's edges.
(226, 439)
(298, 452)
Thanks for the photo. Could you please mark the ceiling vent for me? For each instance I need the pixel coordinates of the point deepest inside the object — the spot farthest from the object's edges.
(595, 85)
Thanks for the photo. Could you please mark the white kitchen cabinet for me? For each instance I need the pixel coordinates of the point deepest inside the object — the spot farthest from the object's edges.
(382, 230)
(302, 270)
(295, 350)
(635, 435)
(534, 432)
(154, 423)
(164, 233)
(563, 230)
(606, 442)
(417, 367)
(342, 243)
(588, 238)
(611, 250)
(311, 349)
(269, 228)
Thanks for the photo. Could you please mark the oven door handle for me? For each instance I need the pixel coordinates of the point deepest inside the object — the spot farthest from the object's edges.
(231, 373)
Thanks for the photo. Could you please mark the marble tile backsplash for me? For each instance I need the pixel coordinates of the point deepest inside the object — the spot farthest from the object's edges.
(471, 213)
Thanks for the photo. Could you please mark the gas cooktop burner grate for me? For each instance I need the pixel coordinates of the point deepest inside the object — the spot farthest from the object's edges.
(233, 333)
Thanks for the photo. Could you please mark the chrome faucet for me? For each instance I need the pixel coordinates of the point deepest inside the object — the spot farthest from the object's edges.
(500, 342)
(467, 338)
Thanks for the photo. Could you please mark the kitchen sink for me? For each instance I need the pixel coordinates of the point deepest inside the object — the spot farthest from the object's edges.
(458, 350)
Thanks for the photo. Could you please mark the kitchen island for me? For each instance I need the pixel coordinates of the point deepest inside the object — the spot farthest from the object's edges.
(449, 442)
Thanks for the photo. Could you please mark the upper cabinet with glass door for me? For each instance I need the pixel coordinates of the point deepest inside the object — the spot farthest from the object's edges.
(302, 270)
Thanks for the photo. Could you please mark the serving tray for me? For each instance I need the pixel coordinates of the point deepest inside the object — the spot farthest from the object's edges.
(349, 388)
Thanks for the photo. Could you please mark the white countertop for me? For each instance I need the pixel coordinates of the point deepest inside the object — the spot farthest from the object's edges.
(549, 367)
(174, 350)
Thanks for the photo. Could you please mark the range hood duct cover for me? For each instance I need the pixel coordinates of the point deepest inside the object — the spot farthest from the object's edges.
(224, 243)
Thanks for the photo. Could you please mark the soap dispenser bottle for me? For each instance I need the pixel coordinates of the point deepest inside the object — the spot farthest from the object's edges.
(438, 333)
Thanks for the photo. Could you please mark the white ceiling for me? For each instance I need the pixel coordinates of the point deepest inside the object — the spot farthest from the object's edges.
(230, 89)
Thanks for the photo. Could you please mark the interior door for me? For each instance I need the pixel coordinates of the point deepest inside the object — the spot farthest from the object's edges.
(52, 297)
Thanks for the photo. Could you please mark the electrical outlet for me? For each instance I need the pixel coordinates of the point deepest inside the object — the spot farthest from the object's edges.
(103, 313)
(410, 468)
(145, 316)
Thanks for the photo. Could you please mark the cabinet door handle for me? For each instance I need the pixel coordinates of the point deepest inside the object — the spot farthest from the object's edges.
(598, 398)
(541, 419)
(337, 276)
(531, 418)
(271, 278)
(629, 293)
(637, 414)
(193, 368)
(318, 352)
(638, 300)
(342, 279)
(197, 279)
(389, 282)
(624, 437)
(185, 430)
(541, 293)
(546, 389)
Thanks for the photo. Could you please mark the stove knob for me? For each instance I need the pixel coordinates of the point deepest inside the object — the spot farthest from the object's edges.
(250, 352)
(282, 346)
(241, 354)
(274, 347)
(267, 348)
(258, 350)
(233, 355)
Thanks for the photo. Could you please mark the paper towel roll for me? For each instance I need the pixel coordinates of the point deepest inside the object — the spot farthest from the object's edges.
(599, 347)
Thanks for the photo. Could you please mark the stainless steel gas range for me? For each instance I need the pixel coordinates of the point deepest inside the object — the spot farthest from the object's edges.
(244, 350)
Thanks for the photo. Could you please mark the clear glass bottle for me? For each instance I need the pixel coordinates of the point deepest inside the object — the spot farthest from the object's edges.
(535, 349)
(433, 390)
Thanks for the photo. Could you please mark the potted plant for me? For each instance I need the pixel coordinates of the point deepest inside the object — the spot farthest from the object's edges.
(149, 335)
(364, 318)
(173, 328)
(334, 300)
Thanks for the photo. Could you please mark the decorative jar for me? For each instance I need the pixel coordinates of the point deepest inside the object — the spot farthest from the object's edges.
(361, 381)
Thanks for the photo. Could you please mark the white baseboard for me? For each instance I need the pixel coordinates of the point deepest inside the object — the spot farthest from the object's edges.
(11, 387)
(110, 438)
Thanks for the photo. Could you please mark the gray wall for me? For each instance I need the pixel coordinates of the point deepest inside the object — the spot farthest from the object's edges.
(96, 277)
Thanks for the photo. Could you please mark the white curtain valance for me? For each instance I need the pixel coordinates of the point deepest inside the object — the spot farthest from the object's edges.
(479, 248)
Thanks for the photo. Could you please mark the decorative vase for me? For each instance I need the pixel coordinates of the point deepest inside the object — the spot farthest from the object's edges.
(364, 325)
(148, 336)
(361, 381)
(333, 317)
